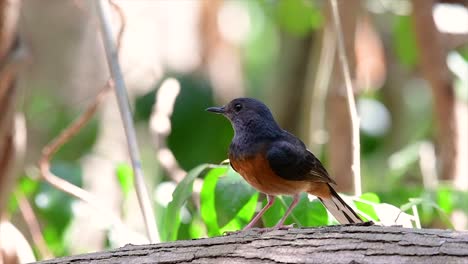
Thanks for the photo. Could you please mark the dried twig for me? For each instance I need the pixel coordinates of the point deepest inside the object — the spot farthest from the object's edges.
(65, 186)
(33, 225)
(69, 132)
(356, 164)
(126, 115)
(52, 148)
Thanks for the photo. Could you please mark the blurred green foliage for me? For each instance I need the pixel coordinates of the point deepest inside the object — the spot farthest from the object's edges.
(226, 202)
(125, 178)
(405, 41)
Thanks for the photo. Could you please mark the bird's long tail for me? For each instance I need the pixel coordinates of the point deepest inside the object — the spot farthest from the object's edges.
(338, 208)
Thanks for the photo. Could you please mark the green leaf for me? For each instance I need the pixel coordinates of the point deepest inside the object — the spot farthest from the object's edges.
(405, 41)
(244, 216)
(197, 228)
(183, 191)
(445, 199)
(306, 213)
(425, 202)
(26, 186)
(125, 177)
(207, 200)
(232, 193)
(227, 203)
(276, 211)
(366, 208)
(309, 213)
(54, 241)
(298, 16)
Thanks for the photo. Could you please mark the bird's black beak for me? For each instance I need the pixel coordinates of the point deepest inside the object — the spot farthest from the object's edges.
(218, 110)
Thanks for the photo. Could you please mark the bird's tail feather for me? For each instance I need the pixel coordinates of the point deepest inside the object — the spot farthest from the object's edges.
(339, 209)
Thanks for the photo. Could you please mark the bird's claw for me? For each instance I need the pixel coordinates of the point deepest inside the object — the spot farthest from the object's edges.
(260, 230)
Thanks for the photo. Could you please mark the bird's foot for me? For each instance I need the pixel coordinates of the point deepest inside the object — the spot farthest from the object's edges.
(230, 233)
(277, 227)
(368, 223)
(260, 230)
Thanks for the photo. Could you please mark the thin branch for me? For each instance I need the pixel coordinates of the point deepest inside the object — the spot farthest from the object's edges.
(33, 225)
(356, 165)
(123, 23)
(52, 148)
(126, 115)
(67, 187)
(49, 150)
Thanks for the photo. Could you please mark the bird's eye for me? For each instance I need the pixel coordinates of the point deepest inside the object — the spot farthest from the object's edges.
(237, 107)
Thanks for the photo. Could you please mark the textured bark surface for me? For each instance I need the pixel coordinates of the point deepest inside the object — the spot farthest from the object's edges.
(332, 244)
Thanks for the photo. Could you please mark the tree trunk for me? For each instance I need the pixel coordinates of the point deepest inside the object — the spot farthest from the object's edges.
(331, 244)
(338, 117)
(434, 68)
(11, 56)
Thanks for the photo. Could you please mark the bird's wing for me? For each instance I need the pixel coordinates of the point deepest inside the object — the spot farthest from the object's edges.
(290, 160)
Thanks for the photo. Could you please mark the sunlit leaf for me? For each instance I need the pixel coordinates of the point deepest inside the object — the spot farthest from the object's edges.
(445, 199)
(232, 193)
(196, 228)
(183, 191)
(368, 208)
(307, 213)
(243, 217)
(125, 177)
(391, 215)
(207, 200)
(54, 241)
(276, 212)
(310, 213)
(27, 187)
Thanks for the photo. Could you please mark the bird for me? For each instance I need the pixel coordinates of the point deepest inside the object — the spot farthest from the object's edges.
(275, 162)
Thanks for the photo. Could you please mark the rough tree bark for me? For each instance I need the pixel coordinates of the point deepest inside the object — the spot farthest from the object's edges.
(331, 244)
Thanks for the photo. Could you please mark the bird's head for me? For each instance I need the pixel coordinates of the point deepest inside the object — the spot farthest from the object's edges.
(247, 113)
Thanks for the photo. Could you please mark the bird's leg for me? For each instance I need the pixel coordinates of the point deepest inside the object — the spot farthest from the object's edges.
(271, 200)
(279, 225)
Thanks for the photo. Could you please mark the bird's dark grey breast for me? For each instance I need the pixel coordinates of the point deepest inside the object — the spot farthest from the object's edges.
(246, 147)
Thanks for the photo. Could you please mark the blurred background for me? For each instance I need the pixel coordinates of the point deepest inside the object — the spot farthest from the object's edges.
(408, 61)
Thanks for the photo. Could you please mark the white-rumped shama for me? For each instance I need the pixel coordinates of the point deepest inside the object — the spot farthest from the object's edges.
(276, 162)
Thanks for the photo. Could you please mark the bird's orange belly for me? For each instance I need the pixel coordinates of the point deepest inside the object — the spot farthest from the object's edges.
(258, 173)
